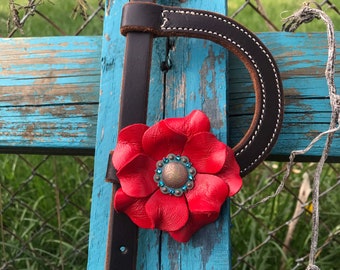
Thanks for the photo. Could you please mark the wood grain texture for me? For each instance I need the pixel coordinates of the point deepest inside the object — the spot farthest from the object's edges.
(112, 57)
(198, 70)
(301, 59)
(49, 90)
(49, 94)
(198, 80)
(61, 95)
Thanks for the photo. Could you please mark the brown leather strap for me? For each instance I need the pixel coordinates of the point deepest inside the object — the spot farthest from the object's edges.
(141, 22)
(174, 21)
(123, 234)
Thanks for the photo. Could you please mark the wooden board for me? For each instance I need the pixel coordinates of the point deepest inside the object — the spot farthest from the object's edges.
(49, 94)
(301, 59)
(168, 97)
(194, 82)
(49, 90)
(60, 95)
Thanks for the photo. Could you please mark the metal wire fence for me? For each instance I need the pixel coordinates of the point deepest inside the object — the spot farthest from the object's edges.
(44, 206)
(45, 200)
(274, 232)
(55, 17)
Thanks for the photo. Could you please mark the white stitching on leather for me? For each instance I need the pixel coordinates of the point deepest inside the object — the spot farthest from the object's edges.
(186, 12)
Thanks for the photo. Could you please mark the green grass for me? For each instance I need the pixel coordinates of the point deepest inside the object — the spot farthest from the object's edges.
(45, 201)
(252, 227)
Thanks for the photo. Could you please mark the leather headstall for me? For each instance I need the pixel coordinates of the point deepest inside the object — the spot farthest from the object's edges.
(144, 20)
(163, 21)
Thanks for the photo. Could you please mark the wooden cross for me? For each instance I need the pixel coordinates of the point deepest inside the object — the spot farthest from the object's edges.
(60, 95)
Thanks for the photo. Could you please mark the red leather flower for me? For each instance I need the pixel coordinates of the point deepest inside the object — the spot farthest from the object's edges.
(175, 175)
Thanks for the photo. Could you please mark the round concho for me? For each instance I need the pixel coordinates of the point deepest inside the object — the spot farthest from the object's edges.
(174, 175)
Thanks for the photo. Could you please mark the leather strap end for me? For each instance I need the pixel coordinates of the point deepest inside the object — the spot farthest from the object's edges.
(111, 171)
(141, 17)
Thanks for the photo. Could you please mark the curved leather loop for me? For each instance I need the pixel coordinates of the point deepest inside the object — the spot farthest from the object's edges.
(163, 21)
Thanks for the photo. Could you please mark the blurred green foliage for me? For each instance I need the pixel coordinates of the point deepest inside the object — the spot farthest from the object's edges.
(34, 189)
(67, 17)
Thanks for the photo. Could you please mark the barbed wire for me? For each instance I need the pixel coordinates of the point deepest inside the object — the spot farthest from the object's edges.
(274, 219)
(44, 217)
(17, 22)
(305, 15)
(271, 25)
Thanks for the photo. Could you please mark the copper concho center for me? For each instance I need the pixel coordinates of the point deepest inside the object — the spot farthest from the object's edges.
(175, 175)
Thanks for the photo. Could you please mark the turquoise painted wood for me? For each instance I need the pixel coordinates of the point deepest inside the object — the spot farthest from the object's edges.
(112, 57)
(302, 68)
(199, 253)
(194, 82)
(49, 94)
(49, 90)
(198, 72)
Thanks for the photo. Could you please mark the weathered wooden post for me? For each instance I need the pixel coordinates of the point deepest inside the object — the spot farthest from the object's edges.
(195, 80)
(52, 108)
(195, 77)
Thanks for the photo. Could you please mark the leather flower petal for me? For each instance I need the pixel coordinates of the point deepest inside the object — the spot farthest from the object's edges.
(129, 144)
(136, 177)
(209, 194)
(169, 213)
(133, 207)
(159, 141)
(206, 153)
(193, 123)
(230, 173)
(204, 202)
(210, 175)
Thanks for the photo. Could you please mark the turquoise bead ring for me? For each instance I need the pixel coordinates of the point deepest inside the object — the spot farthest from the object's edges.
(174, 175)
